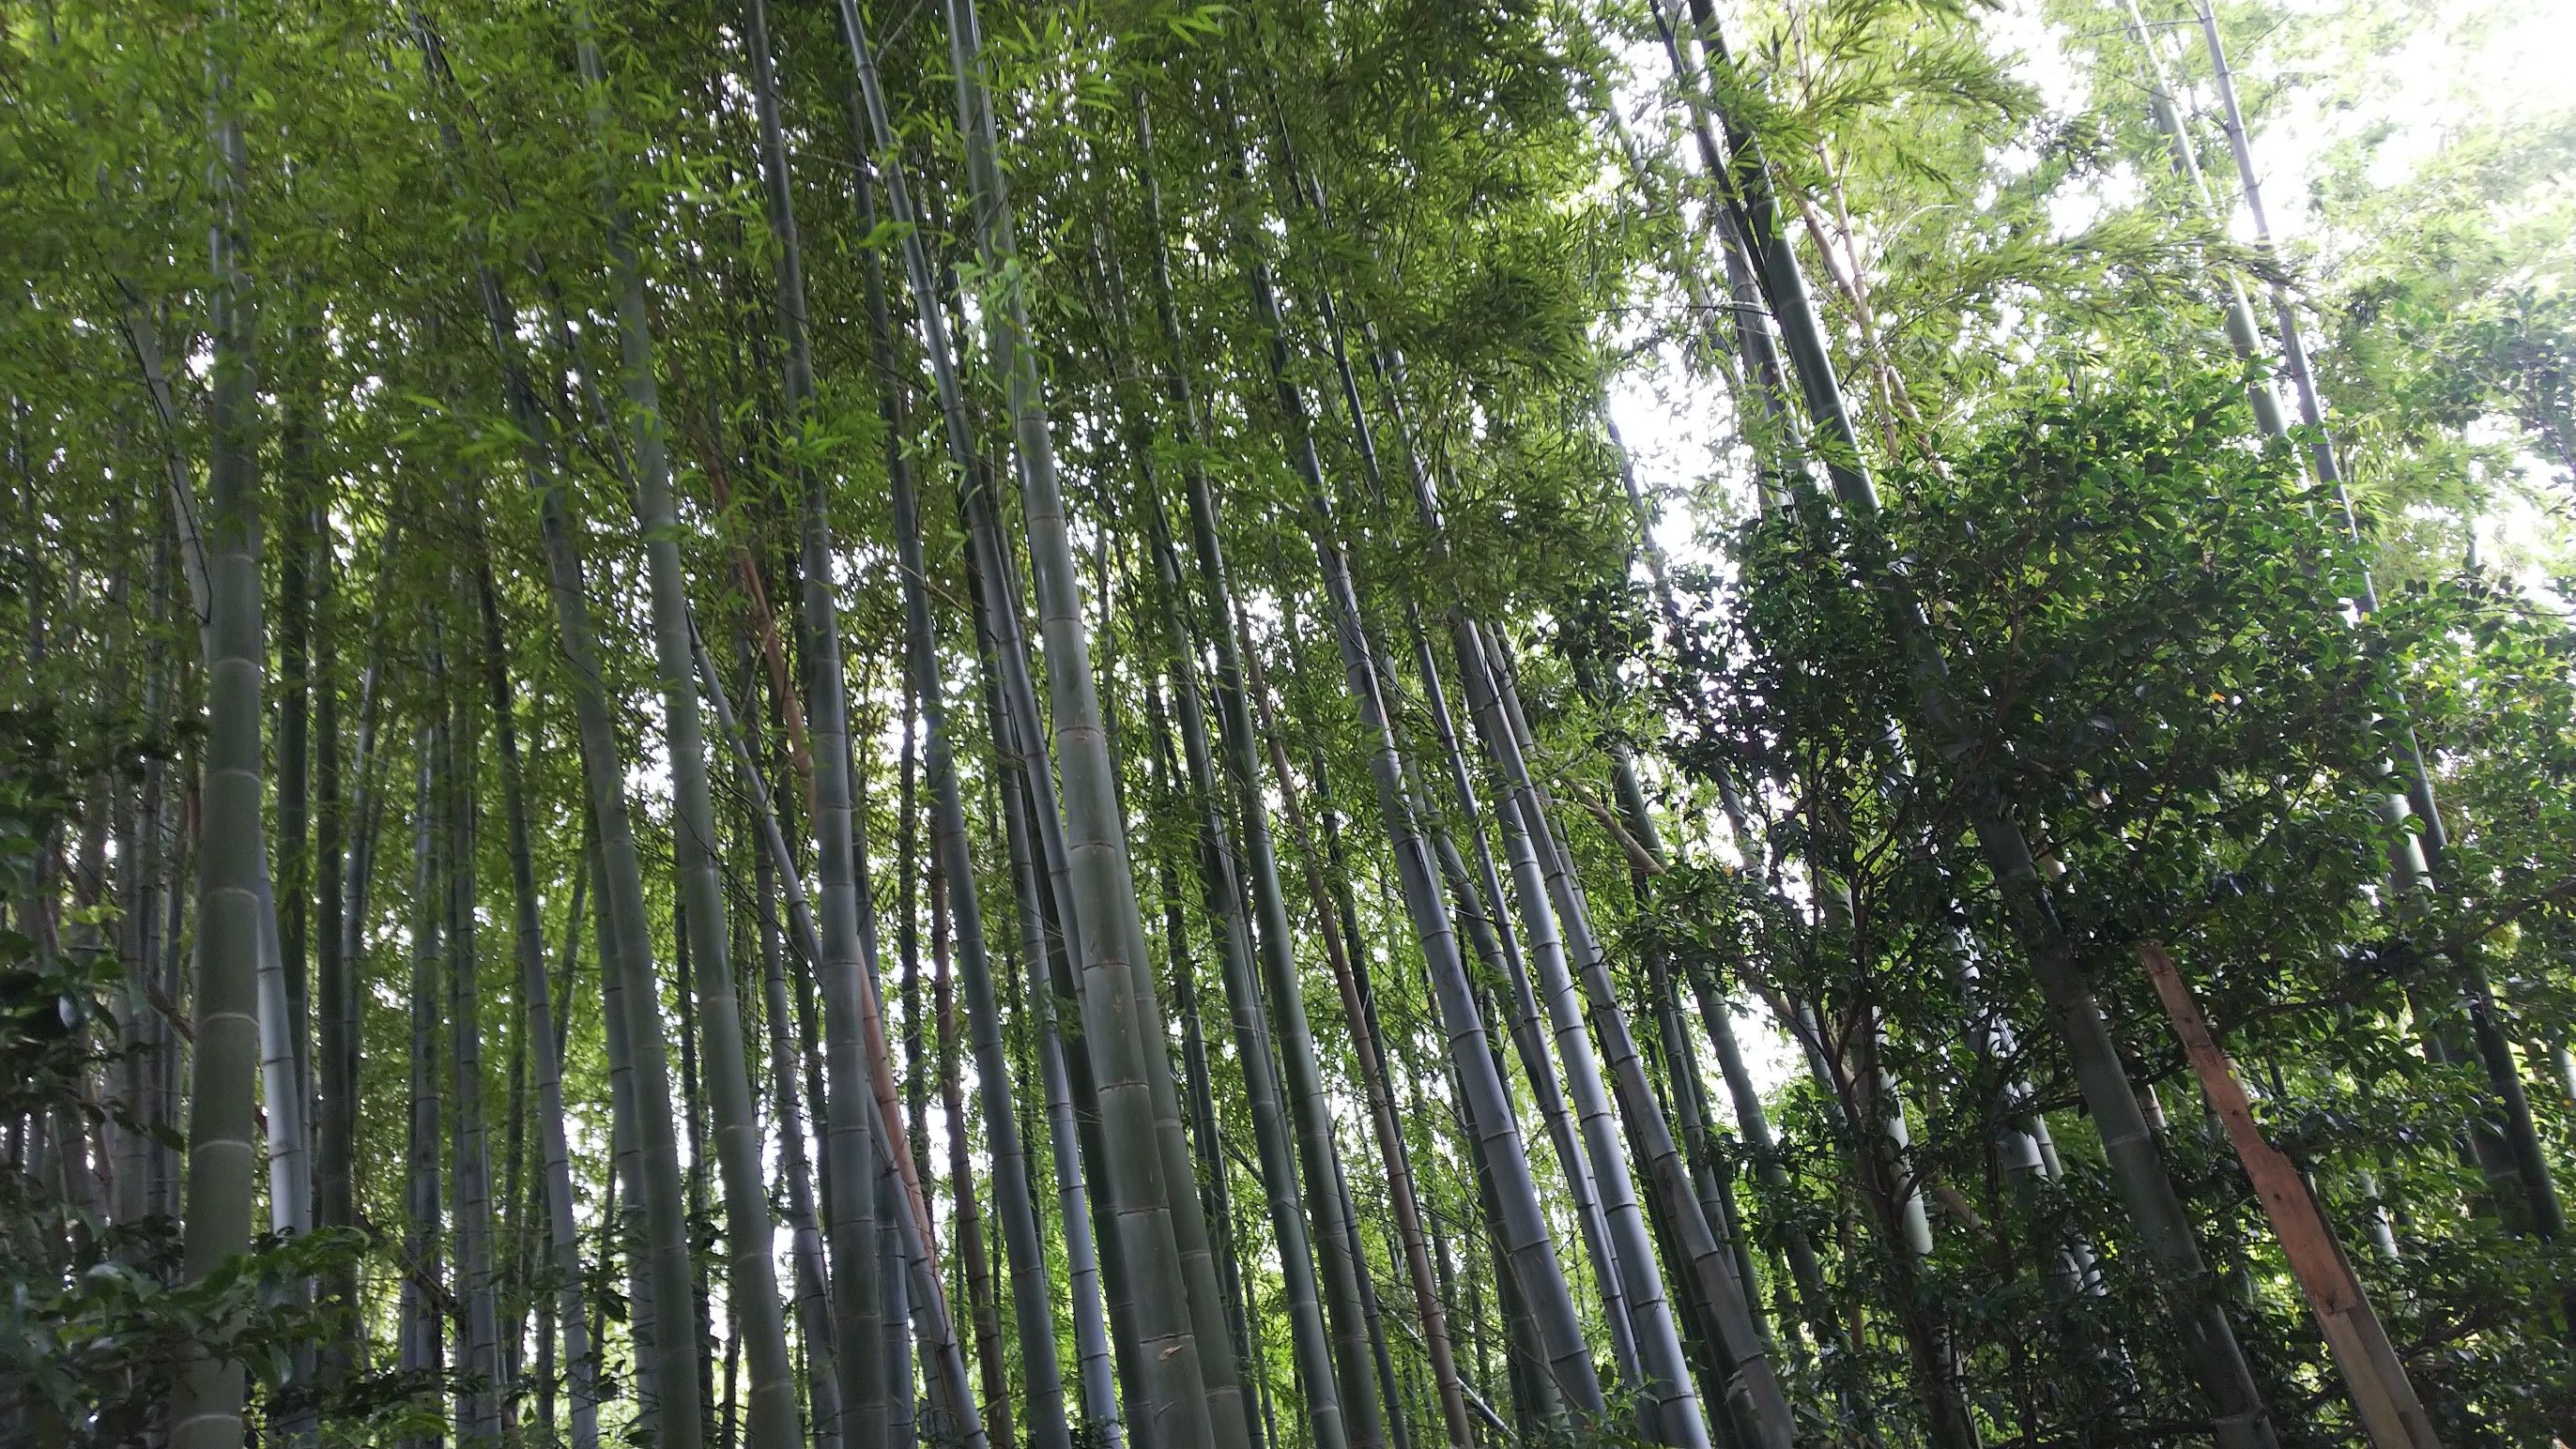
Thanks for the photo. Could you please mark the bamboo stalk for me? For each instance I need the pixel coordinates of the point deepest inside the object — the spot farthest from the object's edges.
(2371, 1370)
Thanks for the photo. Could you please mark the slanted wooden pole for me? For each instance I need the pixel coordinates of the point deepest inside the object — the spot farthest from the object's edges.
(2390, 1413)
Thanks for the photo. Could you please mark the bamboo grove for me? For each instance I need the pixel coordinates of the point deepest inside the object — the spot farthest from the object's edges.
(803, 722)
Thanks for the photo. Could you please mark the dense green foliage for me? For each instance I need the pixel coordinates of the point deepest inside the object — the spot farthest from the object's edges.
(989, 693)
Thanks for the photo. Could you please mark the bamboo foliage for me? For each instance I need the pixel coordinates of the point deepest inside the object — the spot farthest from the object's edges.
(1472, 841)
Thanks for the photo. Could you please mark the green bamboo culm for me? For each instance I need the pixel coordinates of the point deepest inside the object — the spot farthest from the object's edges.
(232, 865)
(1176, 1402)
(478, 1357)
(554, 1156)
(673, 1369)
(1320, 1373)
(1521, 1227)
(422, 1328)
(1030, 1295)
(1108, 920)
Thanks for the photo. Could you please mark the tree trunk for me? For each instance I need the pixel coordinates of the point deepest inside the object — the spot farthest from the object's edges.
(1040, 948)
(813, 1277)
(775, 1421)
(1108, 921)
(1235, 726)
(537, 1027)
(679, 1410)
(967, 1215)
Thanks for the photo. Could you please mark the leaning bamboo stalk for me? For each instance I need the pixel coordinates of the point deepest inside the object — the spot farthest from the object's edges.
(1546, 900)
(804, 1224)
(775, 1420)
(1031, 1299)
(1674, 1414)
(1040, 949)
(840, 949)
(1485, 892)
(832, 951)
(1370, 1047)
(664, 1201)
(1145, 1200)
(237, 933)
(908, 1230)
(546, 1062)
(1110, 922)
(665, 1215)
(1745, 1341)
(1524, 1230)
(1319, 1272)
(935, 1324)
(1215, 1174)
(2495, 1054)
(2372, 1372)
(966, 1217)
(1320, 1375)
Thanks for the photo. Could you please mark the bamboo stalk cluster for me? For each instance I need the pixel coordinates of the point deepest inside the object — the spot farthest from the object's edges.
(1061, 472)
